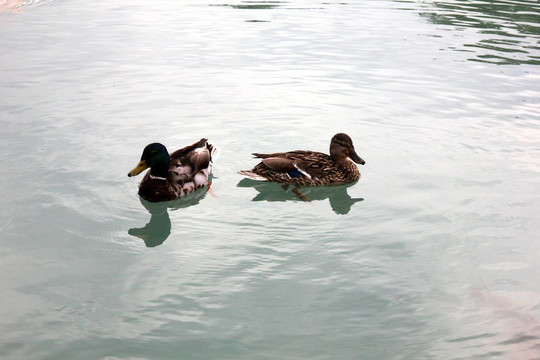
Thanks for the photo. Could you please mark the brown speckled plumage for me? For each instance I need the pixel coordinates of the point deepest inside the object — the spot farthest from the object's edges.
(174, 176)
(309, 168)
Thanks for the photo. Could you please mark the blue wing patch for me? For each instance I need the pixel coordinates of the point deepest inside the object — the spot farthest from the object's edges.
(295, 174)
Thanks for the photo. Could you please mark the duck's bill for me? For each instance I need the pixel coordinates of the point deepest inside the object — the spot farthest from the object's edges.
(141, 166)
(357, 159)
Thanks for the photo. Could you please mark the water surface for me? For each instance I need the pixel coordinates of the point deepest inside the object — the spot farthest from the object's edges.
(432, 254)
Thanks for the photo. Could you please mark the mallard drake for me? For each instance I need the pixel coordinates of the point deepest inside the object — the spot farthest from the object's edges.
(176, 175)
(309, 167)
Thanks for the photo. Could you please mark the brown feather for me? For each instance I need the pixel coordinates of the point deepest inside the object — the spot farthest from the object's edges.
(309, 167)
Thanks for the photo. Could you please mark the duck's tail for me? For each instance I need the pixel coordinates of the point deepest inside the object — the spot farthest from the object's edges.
(214, 151)
(252, 175)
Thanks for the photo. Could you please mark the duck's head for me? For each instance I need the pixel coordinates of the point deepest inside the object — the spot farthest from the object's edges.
(155, 157)
(341, 147)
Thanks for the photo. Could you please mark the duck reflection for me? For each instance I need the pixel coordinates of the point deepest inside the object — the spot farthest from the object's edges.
(158, 228)
(340, 201)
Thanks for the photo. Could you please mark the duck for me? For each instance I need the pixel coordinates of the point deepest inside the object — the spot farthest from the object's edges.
(310, 168)
(176, 175)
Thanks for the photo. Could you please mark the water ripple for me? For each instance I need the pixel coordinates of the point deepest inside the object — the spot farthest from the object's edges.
(506, 32)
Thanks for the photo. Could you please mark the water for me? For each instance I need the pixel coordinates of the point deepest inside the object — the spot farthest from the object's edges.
(432, 254)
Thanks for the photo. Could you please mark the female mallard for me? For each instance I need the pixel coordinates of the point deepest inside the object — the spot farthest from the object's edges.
(177, 175)
(310, 167)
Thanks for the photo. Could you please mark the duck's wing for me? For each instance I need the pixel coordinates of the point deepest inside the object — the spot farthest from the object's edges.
(181, 153)
(295, 163)
(199, 159)
(189, 161)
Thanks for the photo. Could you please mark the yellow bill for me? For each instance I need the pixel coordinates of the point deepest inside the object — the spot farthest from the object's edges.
(141, 166)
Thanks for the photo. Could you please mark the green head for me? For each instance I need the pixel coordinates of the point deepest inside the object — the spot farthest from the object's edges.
(155, 157)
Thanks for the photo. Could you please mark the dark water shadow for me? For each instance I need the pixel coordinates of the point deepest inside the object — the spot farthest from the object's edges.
(158, 229)
(340, 201)
(509, 30)
(254, 5)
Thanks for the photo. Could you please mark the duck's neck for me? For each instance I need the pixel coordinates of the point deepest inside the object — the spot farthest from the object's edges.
(337, 155)
(160, 166)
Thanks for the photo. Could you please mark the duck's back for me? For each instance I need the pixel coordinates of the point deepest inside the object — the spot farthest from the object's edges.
(301, 167)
